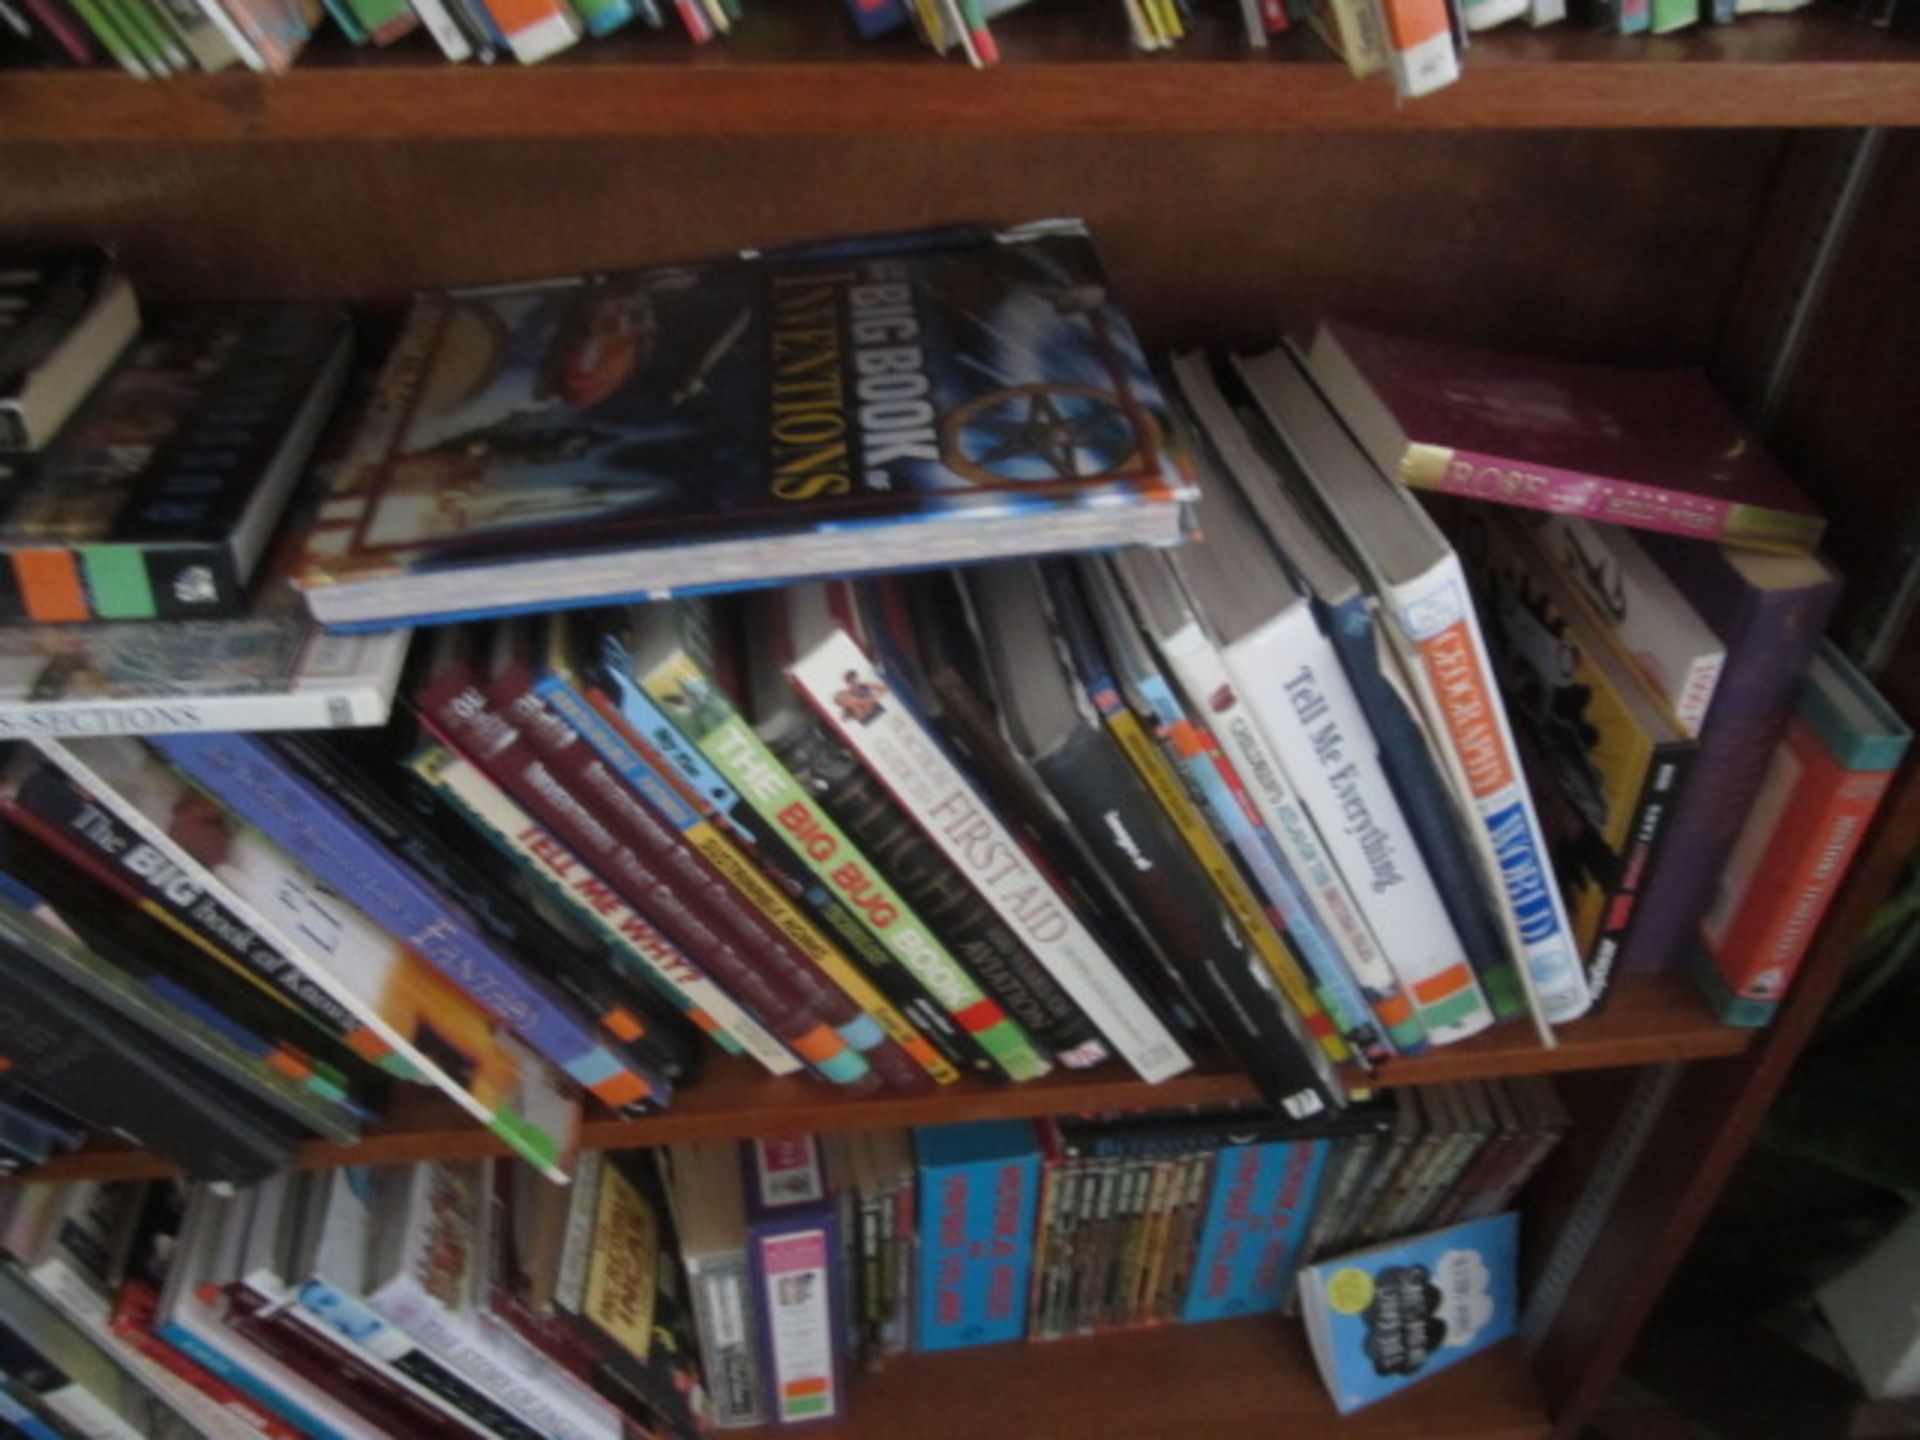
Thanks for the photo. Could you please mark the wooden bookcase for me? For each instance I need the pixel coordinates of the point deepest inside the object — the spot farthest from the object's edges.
(1649, 199)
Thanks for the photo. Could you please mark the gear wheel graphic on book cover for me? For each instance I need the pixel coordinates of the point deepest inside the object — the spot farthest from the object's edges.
(1045, 432)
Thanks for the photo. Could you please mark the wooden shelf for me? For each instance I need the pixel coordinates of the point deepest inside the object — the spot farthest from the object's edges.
(1237, 1377)
(796, 68)
(1646, 1021)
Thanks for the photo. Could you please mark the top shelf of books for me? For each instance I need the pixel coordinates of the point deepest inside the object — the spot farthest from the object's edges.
(798, 69)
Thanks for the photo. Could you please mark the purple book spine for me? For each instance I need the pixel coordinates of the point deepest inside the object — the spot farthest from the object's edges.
(1770, 635)
(259, 787)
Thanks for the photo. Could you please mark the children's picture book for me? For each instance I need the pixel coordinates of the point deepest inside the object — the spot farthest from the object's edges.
(880, 403)
(1386, 1317)
(1653, 448)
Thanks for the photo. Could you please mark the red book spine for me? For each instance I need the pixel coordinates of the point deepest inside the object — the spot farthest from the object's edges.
(562, 747)
(455, 709)
(65, 30)
(132, 1321)
(1273, 14)
(338, 1371)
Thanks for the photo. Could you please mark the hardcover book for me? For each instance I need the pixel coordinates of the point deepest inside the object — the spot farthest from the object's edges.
(979, 1185)
(1820, 793)
(1606, 760)
(158, 498)
(1384, 1318)
(956, 394)
(1650, 448)
(67, 318)
(1769, 611)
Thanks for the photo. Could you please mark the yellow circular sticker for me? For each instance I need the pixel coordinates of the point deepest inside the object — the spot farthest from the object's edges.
(1350, 1291)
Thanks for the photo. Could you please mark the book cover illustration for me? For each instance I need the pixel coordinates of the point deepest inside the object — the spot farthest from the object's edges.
(892, 380)
(1653, 448)
(1386, 1317)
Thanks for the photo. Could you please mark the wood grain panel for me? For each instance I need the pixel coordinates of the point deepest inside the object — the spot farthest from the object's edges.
(1616, 244)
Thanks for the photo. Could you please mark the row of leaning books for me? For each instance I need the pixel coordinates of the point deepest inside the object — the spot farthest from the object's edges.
(730, 1284)
(1351, 771)
(1419, 45)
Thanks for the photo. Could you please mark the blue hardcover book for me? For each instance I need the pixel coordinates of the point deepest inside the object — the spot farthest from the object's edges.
(263, 789)
(1258, 1210)
(1386, 1317)
(872, 404)
(979, 1187)
(794, 1252)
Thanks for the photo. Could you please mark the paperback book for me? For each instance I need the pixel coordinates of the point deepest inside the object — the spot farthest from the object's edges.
(856, 405)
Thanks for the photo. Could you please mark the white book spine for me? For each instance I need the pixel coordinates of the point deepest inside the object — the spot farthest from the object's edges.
(723, 1310)
(241, 42)
(632, 934)
(926, 783)
(1291, 679)
(1464, 711)
(446, 33)
(322, 975)
(290, 710)
(1197, 664)
(512, 1372)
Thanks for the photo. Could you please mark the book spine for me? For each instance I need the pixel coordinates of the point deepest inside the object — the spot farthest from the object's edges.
(459, 712)
(98, 843)
(583, 974)
(243, 1378)
(1770, 637)
(508, 1370)
(899, 750)
(447, 34)
(1197, 665)
(1304, 705)
(810, 754)
(1598, 497)
(723, 1310)
(678, 978)
(976, 1224)
(1469, 721)
(1422, 58)
(316, 928)
(720, 810)
(244, 775)
(866, 1019)
(132, 1323)
(332, 709)
(361, 1327)
(535, 29)
(1801, 834)
(71, 36)
(797, 1301)
(1226, 810)
(1646, 831)
(812, 837)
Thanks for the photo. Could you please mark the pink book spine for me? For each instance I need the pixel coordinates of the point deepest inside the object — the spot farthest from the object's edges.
(1568, 492)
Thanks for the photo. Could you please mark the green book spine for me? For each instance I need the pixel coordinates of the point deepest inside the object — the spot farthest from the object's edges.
(113, 39)
(151, 40)
(1670, 15)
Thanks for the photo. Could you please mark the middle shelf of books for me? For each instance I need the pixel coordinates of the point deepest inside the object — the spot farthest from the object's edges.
(848, 701)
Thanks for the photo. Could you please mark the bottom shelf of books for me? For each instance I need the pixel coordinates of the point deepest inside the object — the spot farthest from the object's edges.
(1190, 1272)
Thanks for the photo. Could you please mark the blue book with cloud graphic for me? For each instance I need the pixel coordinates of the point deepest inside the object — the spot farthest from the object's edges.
(1387, 1317)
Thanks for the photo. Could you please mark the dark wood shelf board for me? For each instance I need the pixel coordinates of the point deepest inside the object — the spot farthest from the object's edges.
(1230, 1378)
(1646, 1021)
(795, 69)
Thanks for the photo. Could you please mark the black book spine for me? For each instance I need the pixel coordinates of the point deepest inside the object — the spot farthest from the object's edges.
(423, 831)
(943, 897)
(1098, 785)
(801, 750)
(105, 1070)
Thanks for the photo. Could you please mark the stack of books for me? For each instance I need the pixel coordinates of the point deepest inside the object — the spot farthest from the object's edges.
(724, 1284)
(858, 659)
